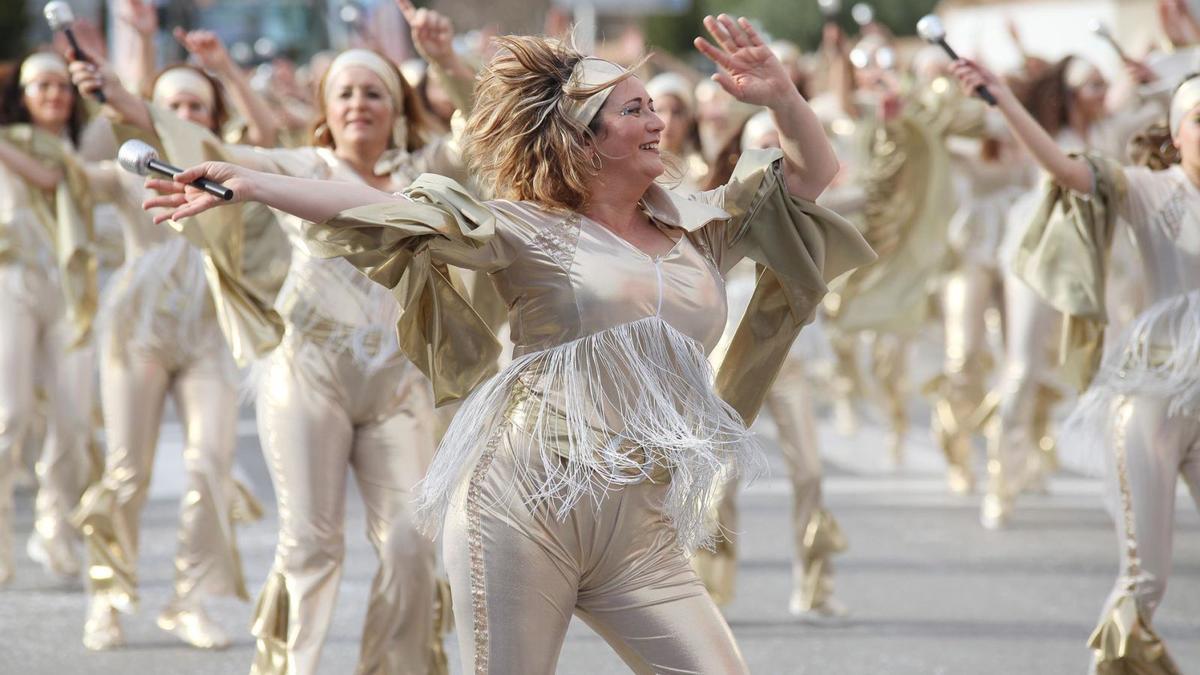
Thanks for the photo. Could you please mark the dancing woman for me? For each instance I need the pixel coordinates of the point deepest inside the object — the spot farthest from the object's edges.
(159, 334)
(47, 301)
(576, 478)
(1137, 418)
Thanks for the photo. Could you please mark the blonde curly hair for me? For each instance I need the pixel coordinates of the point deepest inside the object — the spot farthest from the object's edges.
(520, 139)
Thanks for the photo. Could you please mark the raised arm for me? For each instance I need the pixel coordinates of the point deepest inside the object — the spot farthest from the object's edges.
(310, 199)
(751, 73)
(137, 22)
(210, 53)
(28, 168)
(121, 105)
(433, 38)
(1072, 173)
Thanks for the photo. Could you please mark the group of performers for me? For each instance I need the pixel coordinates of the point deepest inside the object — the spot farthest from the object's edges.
(534, 298)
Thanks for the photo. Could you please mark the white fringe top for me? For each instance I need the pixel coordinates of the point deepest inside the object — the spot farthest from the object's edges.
(610, 384)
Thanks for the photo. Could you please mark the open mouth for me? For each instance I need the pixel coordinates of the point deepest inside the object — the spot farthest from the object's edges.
(652, 147)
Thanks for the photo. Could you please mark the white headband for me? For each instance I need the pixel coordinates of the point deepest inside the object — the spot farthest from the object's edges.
(1078, 72)
(672, 84)
(756, 127)
(41, 63)
(1186, 97)
(181, 80)
(373, 62)
(590, 72)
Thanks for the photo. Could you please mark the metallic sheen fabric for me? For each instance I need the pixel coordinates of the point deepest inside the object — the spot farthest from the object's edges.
(321, 414)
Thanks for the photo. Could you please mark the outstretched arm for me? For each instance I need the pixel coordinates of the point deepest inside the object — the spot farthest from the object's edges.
(32, 171)
(307, 198)
(1072, 173)
(210, 52)
(751, 73)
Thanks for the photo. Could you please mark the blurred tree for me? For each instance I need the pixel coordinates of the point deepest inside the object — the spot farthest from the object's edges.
(14, 26)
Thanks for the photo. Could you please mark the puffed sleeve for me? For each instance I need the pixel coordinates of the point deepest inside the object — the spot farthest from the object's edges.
(799, 246)
(1063, 257)
(408, 246)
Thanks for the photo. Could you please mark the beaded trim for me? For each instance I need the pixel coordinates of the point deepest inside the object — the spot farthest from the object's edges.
(560, 240)
(1124, 410)
(475, 549)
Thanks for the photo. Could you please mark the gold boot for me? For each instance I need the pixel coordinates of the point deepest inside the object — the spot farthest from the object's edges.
(190, 623)
(102, 630)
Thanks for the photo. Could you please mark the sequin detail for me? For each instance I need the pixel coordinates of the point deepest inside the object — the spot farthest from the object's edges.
(475, 550)
(560, 239)
(1120, 427)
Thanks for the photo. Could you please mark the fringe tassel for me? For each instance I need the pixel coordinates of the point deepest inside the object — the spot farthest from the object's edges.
(618, 406)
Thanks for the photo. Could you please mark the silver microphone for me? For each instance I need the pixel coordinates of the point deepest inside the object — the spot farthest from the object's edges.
(60, 18)
(863, 14)
(830, 8)
(931, 30)
(139, 157)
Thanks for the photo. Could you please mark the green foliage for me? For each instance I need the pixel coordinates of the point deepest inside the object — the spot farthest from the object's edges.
(14, 25)
(796, 20)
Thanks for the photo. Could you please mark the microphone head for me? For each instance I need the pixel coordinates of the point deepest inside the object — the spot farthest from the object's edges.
(59, 15)
(1097, 26)
(830, 7)
(134, 156)
(930, 29)
(863, 13)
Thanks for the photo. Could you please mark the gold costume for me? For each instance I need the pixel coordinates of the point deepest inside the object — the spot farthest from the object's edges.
(47, 302)
(576, 479)
(157, 334)
(1136, 422)
(335, 395)
(906, 176)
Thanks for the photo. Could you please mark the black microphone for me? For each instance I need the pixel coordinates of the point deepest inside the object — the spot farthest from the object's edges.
(138, 157)
(60, 17)
(930, 29)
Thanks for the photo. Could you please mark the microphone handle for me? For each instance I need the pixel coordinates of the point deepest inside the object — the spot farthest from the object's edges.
(981, 91)
(212, 187)
(81, 55)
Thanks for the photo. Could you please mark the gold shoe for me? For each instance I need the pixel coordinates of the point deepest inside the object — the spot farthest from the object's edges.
(102, 630)
(193, 626)
(828, 612)
(56, 555)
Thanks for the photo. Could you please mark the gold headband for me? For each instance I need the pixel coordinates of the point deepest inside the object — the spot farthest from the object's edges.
(183, 80)
(371, 61)
(41, 63)
(1186, 97)
(590, 72)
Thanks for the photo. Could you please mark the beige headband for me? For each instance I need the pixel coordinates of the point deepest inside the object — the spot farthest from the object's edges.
(1186, 97)
(183, 80)
(41, 63)
(672, 84)
(590, 72)
(372, 62)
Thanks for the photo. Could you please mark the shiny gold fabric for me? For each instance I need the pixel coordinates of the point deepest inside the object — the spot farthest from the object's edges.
(1063, 256)
(520, 574)
(134, 387)
(240, 277)
(66, 214)
(321, 414)
(909, 203)
(553, 269)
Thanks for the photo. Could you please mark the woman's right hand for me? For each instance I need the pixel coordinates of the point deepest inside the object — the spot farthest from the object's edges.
(971, 75)
(180, 199)
(91, 77)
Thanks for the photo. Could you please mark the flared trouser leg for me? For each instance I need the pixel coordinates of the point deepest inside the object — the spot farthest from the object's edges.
(18, 365)
(133, 390)
(1150, 449)
(390, 457)
(63, 464)
(318, 418)
(207, 562)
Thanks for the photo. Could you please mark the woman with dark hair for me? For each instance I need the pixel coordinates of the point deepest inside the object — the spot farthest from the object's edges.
(575, 480)
(334, 393)
(47, 301)
(1137, 420)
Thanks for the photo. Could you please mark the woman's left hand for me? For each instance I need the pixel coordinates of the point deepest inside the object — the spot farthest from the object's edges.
(748, 69)
(432, 33)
